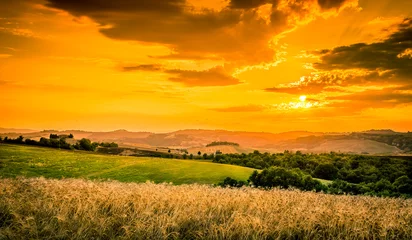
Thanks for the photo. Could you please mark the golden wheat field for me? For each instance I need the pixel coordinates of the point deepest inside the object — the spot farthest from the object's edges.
(37, 208)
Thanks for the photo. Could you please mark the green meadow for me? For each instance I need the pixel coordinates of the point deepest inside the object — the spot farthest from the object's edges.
(28, 161)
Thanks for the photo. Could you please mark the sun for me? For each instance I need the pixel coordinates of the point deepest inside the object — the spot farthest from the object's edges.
(302, 98)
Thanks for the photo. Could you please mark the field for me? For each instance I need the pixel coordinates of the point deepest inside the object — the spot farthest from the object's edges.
(39, 208)
(16, 160)
(357, 146)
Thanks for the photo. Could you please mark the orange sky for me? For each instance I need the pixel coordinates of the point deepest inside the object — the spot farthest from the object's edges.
(163, 65)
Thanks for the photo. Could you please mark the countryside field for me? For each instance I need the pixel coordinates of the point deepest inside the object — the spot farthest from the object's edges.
(29, 161)
(48, 193)
(39, 208)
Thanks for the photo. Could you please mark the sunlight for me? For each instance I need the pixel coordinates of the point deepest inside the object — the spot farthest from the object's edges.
(302, 98)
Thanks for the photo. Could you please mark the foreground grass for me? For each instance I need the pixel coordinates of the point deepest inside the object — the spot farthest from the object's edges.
(79, 209)
(17, 160)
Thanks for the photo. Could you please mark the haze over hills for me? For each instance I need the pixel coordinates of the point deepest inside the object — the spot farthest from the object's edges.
(194, 140)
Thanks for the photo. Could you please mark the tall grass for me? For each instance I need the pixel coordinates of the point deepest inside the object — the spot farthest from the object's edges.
(79, 209)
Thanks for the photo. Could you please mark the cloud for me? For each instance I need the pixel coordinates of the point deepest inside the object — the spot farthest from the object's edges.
(240, 33)
(143, 67)
(246, 108)
(23, 32)
(5, 55)
(328, 4)
(382, 98)
(217, 76)
(213, 77)
(247, 4)
(84, 7)
(381, 63)
(332, 81)
(375, 56)
(405, 54)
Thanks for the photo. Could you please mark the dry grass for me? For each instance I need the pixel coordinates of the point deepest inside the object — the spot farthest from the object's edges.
(80, 209)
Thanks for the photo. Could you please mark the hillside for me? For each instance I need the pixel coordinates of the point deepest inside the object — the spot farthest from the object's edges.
(356, 146)
(372, 141)
(28, 161)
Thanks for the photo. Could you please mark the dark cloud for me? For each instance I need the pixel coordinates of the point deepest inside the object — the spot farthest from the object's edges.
(213, 77)
(328, 4)
(379, 63)
(375, 56)
(13, 8)
(143, 67)
(97, 7)
(237, 34)
(246, 4)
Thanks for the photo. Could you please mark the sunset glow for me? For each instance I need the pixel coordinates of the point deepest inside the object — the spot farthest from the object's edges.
(164, 65)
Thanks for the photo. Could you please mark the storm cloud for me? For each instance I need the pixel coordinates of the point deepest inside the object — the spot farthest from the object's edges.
(238, 33)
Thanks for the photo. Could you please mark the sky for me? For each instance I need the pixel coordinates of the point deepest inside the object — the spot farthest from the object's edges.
(241, 65)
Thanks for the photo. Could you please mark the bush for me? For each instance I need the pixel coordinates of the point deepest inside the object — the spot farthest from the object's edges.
(285, 178)
(107, 144)
(86, 144)
(230, 182)
(54, 136)
(326, 171)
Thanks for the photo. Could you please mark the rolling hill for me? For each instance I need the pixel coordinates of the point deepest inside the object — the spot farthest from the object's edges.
(194, 140)
(30, 161)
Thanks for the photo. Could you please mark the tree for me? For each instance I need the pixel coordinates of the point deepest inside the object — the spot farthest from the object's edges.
(403, 185)
(44, 141)
(191, 156)
(70, 136)
(53, 136)
(205, 156)
(199, 153)
(285, 178)
(169, 151)
(326, 171)
(19, 139)
(86, 144)
(230, 182)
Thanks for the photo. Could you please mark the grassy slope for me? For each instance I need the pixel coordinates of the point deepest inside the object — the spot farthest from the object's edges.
(29, 161)
(356, 145)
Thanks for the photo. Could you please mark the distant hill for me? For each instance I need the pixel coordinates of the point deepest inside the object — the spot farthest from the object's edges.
(356, 146)
(194, 140)
(15, 130)
(380, 131)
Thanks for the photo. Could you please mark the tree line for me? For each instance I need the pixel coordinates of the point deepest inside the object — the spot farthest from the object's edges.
(350, 174)
(223, 143)
(59, 141)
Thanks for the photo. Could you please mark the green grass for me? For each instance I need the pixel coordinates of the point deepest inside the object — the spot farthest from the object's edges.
(17, 160)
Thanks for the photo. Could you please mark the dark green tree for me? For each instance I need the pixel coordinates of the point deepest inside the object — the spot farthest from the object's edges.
(54, 136)
(326, 171)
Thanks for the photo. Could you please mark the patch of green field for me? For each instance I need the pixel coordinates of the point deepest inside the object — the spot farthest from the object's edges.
(28, 161)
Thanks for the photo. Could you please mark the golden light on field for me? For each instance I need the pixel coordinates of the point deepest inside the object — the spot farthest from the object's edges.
(164, 65)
